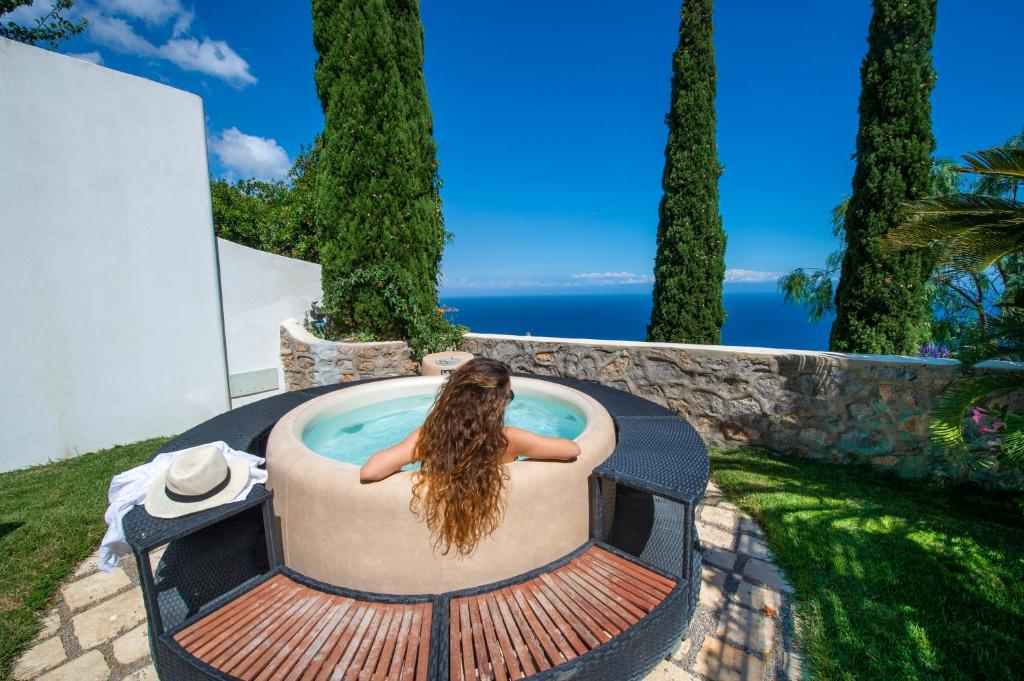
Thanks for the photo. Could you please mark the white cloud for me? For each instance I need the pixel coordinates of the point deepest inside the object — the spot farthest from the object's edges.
(29, 14)
(93, 57)
(465, 282)
(249, 155)
(118, 34)
(153, 12)
(212, 57)
(182, 23)
(741, 276)
(613, 278)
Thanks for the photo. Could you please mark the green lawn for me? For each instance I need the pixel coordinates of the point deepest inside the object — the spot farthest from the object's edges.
(51, 517)
(894, 579)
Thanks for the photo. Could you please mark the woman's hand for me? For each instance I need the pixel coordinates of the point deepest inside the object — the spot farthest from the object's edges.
(389, 461)
(533, 446)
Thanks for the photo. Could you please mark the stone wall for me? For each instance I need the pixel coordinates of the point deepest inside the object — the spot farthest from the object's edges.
(820, 405)
(310, 361)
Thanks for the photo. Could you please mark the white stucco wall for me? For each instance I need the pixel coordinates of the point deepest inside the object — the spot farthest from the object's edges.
(260, 290)
(108, 263)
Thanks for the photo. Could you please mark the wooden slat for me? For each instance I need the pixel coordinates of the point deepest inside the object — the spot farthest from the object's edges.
(483, 665)
(540, 649)
(559, 626)
(522, 652)
(491, 640)
(308, 666)
(249, 666)
(602, 614)
(333, 667)
(580, 621)
(271, 590)
(608, 592)
(390, 665)
(538, 624)
(664, 585)
(362, 651)
(377, 645)
(302, 642)
(354, 640)
(455, 669)
(646, 597)
(246, 626)
(423, 654)
(604, 609)
(411, 647)
(228, 653)
(469, 662)
(512, 664)
(207, 641)
(547, 634)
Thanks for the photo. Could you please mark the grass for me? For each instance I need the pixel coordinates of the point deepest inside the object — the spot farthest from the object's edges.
(894, 579)
(51, 518)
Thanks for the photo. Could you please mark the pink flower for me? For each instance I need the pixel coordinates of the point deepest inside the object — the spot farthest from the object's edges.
(996, 426)
(976, 414)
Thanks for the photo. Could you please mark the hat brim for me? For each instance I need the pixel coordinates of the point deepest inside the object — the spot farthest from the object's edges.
(159, 505)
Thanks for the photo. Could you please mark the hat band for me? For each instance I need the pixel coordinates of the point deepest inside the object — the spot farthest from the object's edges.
(193, 498)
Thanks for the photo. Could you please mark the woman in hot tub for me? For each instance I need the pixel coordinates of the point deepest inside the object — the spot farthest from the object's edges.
(461, 449)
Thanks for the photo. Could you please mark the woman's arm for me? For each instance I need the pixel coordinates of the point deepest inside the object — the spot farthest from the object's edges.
(389, 461)
(531, 445)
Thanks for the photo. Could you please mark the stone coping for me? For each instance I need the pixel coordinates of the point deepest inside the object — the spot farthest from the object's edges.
(730, 350)
(300, 333)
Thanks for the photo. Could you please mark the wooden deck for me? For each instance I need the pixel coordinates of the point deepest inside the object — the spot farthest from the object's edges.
(284, 630)
(520, 630)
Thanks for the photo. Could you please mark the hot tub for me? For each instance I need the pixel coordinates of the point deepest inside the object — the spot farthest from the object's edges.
(364, 536)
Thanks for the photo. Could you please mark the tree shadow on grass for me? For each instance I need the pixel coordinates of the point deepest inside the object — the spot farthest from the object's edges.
(894, 579)
(7, 528)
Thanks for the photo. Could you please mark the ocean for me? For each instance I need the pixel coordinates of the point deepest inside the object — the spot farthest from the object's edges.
(760, 319)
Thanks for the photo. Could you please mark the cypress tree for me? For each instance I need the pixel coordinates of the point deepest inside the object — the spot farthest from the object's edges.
(378, 201)
(882, 306)
(690, 264)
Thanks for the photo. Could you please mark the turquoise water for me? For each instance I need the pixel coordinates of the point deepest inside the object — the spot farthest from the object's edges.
(352, 436)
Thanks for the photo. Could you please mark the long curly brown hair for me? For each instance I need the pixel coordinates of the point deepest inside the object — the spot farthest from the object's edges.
(459, 487)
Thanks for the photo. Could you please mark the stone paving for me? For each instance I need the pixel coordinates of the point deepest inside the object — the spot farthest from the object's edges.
(743, 629)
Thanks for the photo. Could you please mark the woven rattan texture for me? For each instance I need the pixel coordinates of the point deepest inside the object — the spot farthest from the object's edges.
(661, 455)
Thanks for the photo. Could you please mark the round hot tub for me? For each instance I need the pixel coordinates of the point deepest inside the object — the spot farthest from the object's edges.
(364, 536)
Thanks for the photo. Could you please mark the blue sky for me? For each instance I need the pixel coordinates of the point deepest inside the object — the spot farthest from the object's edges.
(549, 117)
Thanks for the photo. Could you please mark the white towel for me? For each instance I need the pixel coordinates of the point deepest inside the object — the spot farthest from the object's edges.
(128, 489)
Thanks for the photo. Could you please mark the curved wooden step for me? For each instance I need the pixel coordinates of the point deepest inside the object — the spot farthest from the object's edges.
(521, 630)
(285, 630)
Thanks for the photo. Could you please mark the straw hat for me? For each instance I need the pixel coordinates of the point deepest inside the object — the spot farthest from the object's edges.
(197, 479)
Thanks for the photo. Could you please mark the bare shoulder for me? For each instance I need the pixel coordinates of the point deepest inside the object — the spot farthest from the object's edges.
(515, 435)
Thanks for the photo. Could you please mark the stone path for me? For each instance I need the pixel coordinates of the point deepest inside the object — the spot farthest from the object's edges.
(743, 629)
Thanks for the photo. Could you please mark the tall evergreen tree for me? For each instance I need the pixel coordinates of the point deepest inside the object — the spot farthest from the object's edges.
(378, 201)
(690, 265)
(882, 300)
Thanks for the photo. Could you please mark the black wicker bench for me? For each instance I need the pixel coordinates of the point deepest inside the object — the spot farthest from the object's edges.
(610, 610)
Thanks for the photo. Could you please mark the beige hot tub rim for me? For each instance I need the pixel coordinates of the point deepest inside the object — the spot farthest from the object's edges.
(364, 536)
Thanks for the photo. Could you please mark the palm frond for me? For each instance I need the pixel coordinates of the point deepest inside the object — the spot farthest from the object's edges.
(1001, 338)
(978, 229)
(954, 402)
(1005, 161)
(1012, 447)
